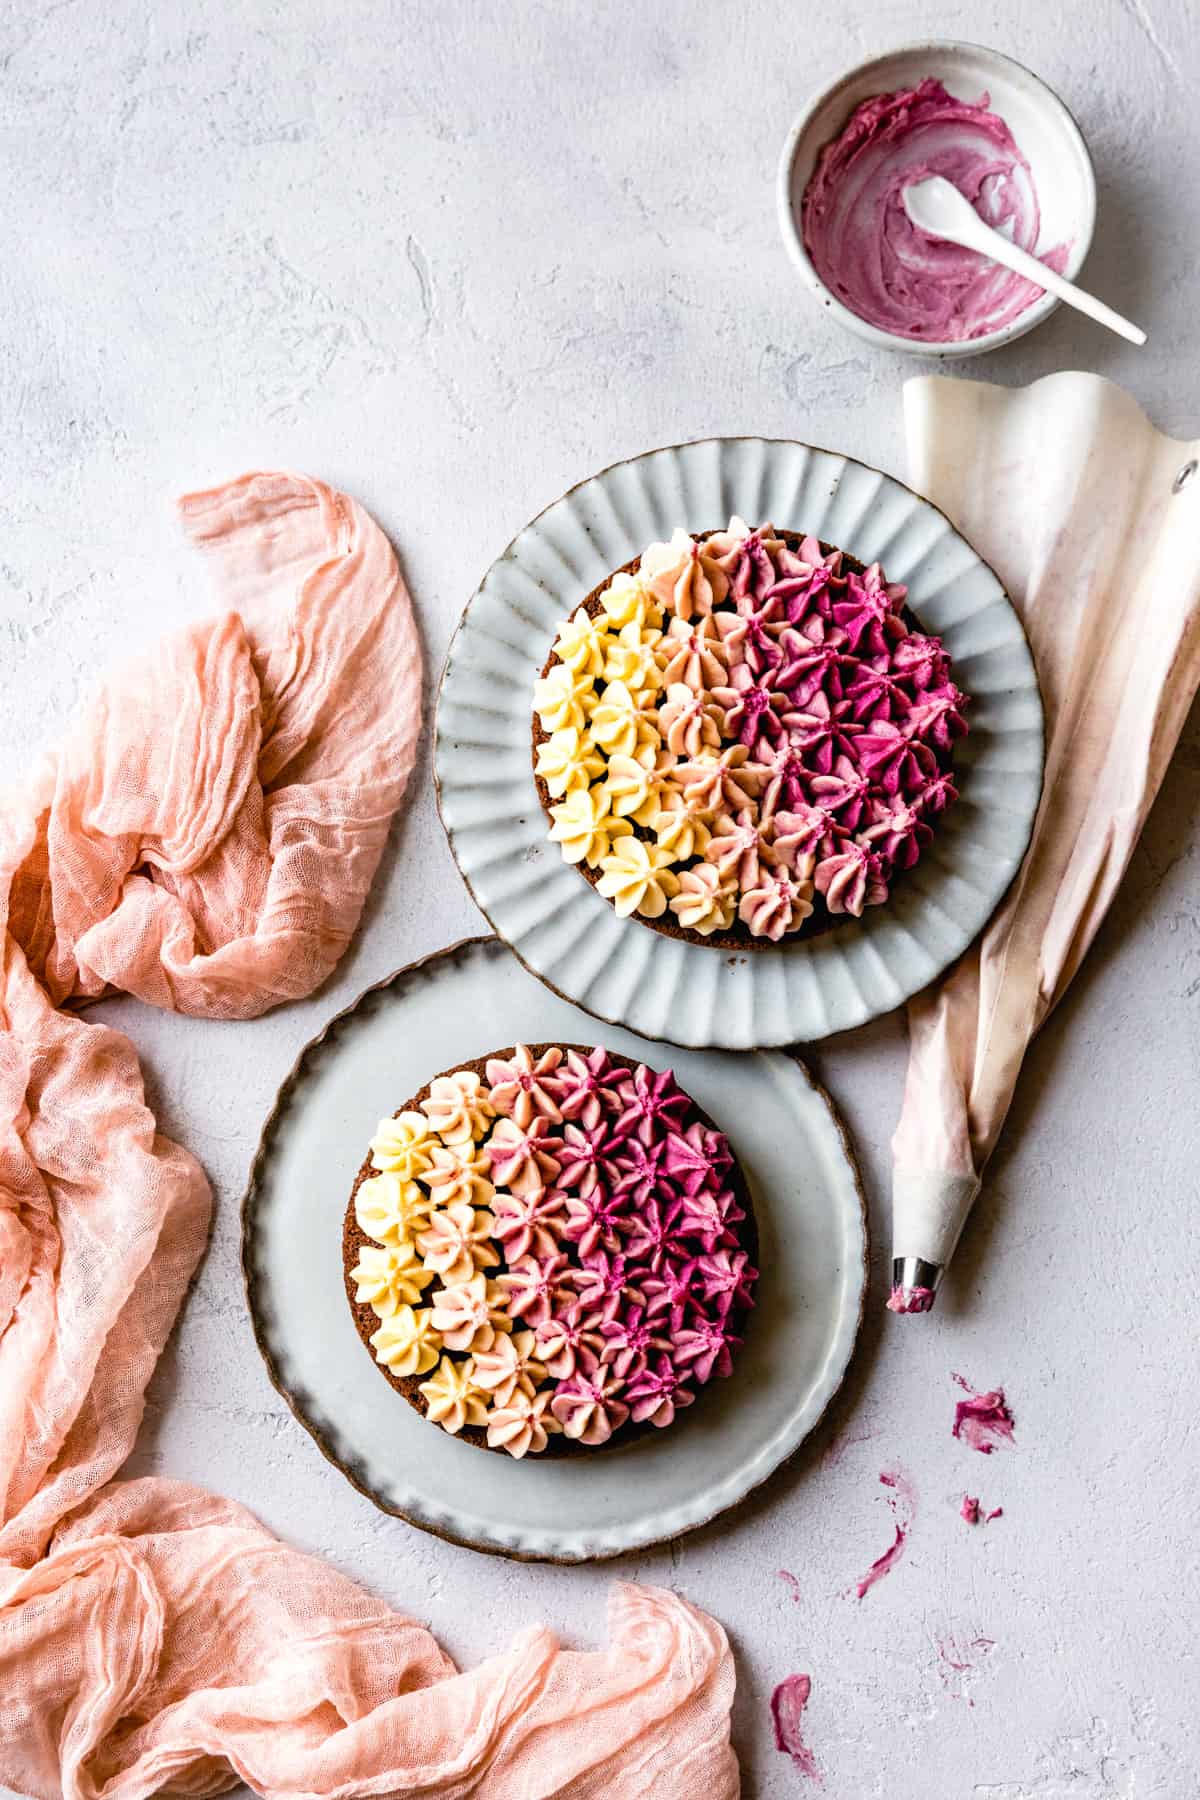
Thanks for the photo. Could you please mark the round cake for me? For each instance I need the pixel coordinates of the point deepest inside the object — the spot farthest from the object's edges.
(549, 1249)
(743, 736)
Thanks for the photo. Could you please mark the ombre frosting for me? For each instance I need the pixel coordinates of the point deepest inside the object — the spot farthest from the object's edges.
(556, 1245)
(743, 733)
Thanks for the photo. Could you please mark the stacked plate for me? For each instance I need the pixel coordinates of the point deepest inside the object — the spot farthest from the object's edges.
(692, 1005)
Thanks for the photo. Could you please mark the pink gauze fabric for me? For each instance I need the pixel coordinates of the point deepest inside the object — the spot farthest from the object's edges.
(205, 840)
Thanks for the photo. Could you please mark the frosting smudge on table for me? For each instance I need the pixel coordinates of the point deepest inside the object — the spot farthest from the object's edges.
(982, 1420)
(787, 1716)
(903, 1500)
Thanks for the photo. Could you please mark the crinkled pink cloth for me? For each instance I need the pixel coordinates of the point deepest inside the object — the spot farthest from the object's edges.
(206, 841)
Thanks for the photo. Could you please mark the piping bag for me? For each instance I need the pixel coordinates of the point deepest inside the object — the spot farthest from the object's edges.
(1091, 519)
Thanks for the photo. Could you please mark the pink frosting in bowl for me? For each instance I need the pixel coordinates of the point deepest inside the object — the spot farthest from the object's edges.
(961, 111)
(867, 250)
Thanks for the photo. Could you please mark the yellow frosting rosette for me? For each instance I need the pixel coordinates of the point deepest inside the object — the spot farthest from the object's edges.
(706, 901)
(390, 1209)
(457, 1107)
(582, 644)
(632, 657)
(452, 1397)
(631, 790)
(636, 877)
(389, 1276)
(568, 760)
(406, 1343)
(451, 1177)
(678, 828)
(585, 828)
(616, 718)
(562, 700)
(628, 601)
(401, 1146)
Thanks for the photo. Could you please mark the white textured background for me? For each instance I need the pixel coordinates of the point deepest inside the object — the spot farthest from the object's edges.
(454, 258)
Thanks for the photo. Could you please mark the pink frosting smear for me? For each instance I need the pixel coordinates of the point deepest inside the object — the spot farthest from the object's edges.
(902, 1499)
(958, 1664)
(974, 1514)
(787, 1715)
(982, 1420)
(911, 1300)
(884, 1564)
(793, 1584)
(869, 253)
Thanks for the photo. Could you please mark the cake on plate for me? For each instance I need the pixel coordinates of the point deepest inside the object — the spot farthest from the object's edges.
(550, 1248)
(744, 736)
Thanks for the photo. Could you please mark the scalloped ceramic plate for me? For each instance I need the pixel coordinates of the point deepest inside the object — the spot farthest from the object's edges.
(558, 924)
(813, 1252)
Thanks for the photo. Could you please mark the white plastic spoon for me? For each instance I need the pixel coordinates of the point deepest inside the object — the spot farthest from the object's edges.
(938, 208)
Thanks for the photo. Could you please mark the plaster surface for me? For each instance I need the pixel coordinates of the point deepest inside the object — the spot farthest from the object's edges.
(454, 258)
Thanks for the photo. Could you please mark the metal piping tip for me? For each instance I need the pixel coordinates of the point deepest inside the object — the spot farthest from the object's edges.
(914, 1284)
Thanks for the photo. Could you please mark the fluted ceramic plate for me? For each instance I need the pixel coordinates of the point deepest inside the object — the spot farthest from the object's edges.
(450, 1009)
(558, 924)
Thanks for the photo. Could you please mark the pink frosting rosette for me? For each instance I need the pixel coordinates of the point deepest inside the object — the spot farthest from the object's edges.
(587, 1083)
(850, 879)
(627, 1340)
(522, 1159)
(705, 1348)
(507, 1363)
(521, 1423)
(696, 1159)
(533, 1284)
(692, 651)
(530, 1222)
(524, 1089)
(656, 1392)
(594, 1218)
(652, 1101)
(778, 903)
(588, 1404)
(685, 576)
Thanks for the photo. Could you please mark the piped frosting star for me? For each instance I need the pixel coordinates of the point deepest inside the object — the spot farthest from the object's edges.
(522, 1423)
(456, 1241)
(469, 1314)
(587, 1404)
(452, 1397)
(406, 1342)
(401, 1146)
(389, 1276)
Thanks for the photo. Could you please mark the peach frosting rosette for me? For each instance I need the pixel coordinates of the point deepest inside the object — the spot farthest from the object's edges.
(726, 680)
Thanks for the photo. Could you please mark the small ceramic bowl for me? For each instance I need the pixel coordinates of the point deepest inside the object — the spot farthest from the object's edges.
(1043, 128)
